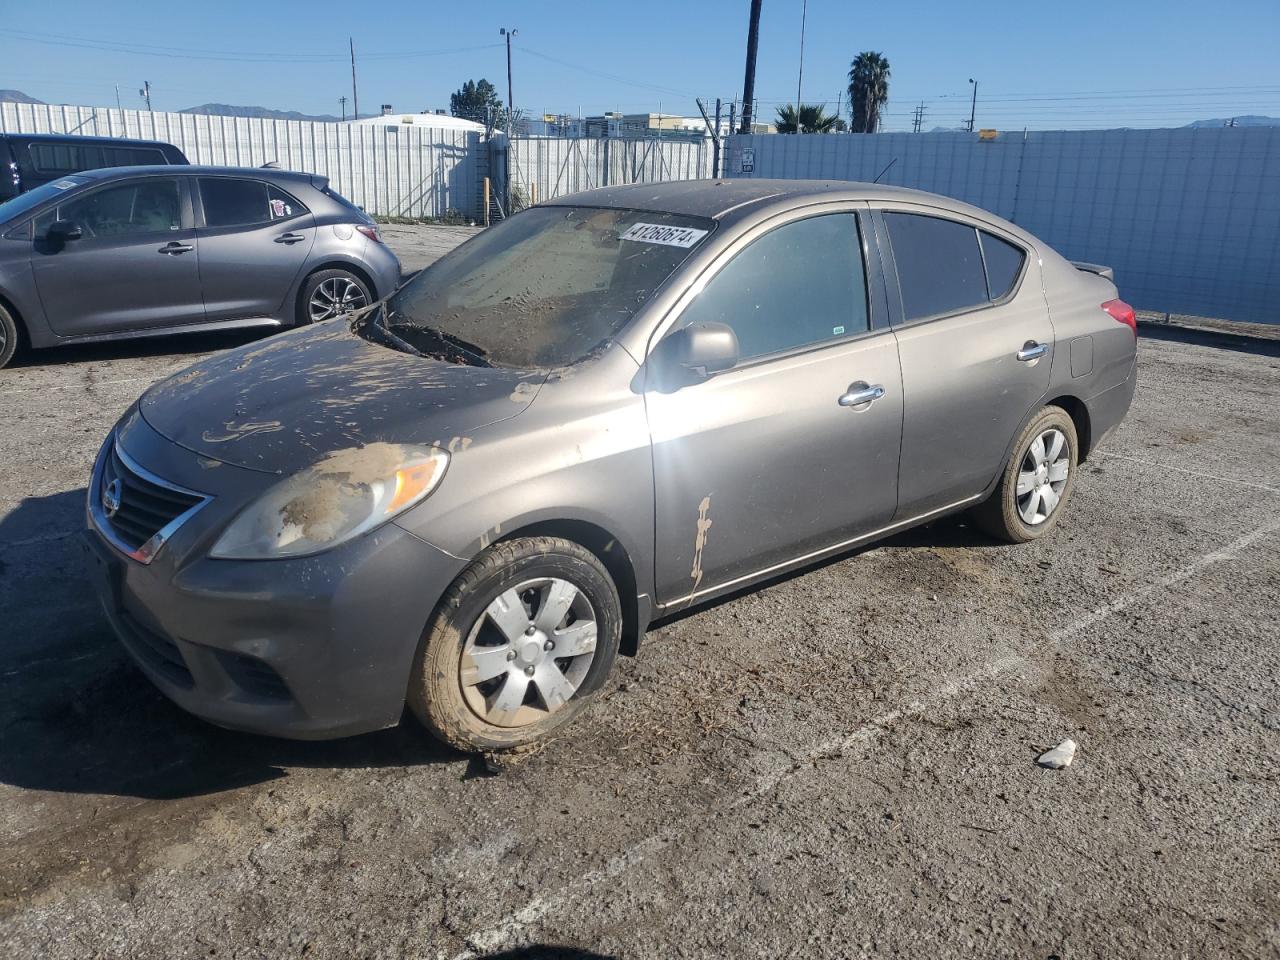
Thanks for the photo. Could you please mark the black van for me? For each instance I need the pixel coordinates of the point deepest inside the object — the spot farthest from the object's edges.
(36, 158)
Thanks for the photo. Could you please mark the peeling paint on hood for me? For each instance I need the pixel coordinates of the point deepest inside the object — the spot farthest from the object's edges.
(282, 404)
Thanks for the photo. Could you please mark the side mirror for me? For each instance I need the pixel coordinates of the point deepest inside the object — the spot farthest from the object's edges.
(60, 231)
(702, 348)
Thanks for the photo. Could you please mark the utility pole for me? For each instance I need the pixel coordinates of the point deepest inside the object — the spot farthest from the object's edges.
(145, 93)
(749, 83)
(119, 106)
(343, 101)
(973, 107)
(355, 97)
(917, 121)
(804, 13)
(511, 97)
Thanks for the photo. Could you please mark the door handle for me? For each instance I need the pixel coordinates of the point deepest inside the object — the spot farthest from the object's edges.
(860, 393)
(1032, 351)
(175, 248)
(290, 238)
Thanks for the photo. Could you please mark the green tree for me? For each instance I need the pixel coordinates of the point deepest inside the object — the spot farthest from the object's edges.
(868, 90)
(476, 101)
(813, 119)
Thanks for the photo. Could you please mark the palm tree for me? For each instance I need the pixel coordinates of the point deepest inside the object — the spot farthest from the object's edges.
(868, 90)
(813, 119)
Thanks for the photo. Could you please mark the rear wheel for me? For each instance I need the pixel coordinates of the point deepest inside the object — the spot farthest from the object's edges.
(519, 643)
(8, 336)
(1036, 482)
(331, 293)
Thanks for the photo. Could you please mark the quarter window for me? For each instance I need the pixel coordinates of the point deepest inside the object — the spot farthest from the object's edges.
(242, 203)
(1004, 264)
(939, 265)
(800, 284)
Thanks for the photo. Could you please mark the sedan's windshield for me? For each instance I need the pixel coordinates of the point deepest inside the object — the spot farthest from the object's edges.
(24, 202)
(545, 288)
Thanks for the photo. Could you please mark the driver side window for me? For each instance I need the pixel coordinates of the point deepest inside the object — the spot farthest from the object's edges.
(136, 207)
(800, 284)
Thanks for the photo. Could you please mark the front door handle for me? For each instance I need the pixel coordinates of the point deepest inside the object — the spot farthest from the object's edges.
(861, 393)
(175, 248)
(1032, 351)
(290, 238)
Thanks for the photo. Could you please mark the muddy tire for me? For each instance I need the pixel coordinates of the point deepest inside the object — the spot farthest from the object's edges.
(518, 645)
(9, 336)
(1037, 481)
(330, 293)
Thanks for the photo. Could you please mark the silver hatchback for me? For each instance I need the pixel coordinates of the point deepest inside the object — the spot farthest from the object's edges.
(606, 409)
(143, 251)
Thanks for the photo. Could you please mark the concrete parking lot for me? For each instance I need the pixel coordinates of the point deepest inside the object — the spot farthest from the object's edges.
(840, 765)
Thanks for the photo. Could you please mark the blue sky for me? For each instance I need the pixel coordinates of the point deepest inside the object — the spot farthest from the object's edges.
(1039, 65)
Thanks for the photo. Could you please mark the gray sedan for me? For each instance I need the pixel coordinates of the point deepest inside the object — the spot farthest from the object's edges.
(606, 409)
(141, 251)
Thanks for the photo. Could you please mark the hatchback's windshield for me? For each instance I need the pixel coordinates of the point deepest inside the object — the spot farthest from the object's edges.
(23, 202)
(545, 288)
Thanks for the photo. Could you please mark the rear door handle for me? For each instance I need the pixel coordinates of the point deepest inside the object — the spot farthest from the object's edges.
(861, 393)
(1032, 351)
(176, 248)
(290, 238)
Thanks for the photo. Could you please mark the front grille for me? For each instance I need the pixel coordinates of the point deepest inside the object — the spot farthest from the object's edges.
(155, 650)
(145, 508)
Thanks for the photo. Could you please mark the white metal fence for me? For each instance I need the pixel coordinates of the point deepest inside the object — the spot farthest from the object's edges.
(396, 171)
(1189, 218)
(542, 168)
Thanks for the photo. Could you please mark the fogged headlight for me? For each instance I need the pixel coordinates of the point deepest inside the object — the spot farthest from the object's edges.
(344, 495)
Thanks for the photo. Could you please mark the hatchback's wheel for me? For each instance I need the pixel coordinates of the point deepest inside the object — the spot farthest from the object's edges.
(331, 293)
(1037, 481)
(518, 644)
(8, 336)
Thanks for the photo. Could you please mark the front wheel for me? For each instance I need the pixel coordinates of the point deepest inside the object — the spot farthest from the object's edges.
(8, 336)
(519, 643)
(1037, 481)
(331, 293)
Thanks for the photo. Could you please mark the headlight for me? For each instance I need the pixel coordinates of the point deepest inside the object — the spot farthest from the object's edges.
(344, 495)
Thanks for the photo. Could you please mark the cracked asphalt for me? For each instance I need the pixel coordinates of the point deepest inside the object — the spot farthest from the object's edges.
(839, 765)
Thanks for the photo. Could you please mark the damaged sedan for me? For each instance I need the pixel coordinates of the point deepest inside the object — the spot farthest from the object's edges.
(471, 497)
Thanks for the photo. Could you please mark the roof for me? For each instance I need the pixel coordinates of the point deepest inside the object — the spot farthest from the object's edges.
(718, 198)
(427, 121)
(81, 138)
(169, 169)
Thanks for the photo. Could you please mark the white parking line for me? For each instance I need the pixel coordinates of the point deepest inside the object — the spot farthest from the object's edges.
(1191, 473)
(510, 927)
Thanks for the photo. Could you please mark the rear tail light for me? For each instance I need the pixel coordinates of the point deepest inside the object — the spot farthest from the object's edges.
(1121, 312)
(370, 231)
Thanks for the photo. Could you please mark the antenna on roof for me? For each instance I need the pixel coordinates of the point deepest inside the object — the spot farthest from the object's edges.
(885, 170)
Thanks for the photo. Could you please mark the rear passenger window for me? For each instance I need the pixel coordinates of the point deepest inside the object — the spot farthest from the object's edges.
(939, 265)
(800, 284)
(1004, 264)
(242, 203)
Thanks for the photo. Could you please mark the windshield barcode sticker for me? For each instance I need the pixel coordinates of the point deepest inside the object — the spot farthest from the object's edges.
(661, 233)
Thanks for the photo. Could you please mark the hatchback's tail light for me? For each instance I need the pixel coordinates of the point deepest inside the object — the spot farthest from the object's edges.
(371, 231)
(1121, 312)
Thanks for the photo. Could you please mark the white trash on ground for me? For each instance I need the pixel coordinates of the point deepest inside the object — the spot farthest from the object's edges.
(1059, 757)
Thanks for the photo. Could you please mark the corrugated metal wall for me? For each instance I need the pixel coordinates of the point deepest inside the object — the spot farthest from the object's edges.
(395, 171)
(1189, 218)
(560, 166)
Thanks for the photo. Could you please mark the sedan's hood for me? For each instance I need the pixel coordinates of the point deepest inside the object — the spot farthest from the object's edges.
(284, 404)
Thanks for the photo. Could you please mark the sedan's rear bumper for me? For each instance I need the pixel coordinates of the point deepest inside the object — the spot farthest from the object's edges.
(311, 648)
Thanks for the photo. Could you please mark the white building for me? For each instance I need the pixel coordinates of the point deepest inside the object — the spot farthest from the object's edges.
(425, 120)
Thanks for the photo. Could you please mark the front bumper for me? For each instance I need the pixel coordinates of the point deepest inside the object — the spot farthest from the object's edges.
(309, 648)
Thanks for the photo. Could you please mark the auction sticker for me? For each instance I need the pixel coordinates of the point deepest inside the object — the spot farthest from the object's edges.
(664, 234)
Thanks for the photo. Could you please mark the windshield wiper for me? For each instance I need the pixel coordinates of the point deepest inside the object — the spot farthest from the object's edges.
(364, 323)
(458, 345)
